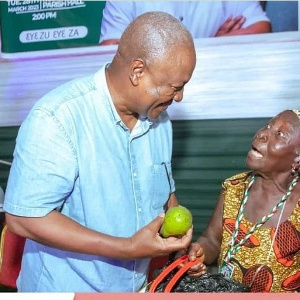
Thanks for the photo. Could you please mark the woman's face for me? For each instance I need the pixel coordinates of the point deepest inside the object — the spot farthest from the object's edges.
(274, 147)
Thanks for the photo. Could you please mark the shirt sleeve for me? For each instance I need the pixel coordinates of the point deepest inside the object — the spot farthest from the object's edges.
(44, 167)
(116, 17)
(251, 10)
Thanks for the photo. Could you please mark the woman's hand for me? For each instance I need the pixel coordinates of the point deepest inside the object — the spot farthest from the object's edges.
(194, 252)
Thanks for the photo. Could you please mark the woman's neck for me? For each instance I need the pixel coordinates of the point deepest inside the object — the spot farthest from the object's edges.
(274, 185)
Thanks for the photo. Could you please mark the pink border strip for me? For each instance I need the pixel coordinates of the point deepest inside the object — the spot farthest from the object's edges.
(191, 296)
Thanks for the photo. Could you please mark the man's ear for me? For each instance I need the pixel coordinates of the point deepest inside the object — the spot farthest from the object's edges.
(137, 71)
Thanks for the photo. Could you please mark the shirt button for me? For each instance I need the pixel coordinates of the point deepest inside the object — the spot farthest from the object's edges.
(181, 19)
(139, 209)
(135, 275)
(134, 174)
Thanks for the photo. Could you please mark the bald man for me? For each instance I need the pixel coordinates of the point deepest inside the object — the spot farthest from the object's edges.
(92, 173)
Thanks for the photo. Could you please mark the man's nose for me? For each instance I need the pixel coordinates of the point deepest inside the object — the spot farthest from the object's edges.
(178, 96)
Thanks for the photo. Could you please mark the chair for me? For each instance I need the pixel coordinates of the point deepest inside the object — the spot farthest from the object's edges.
(11, 251)
(156, 263)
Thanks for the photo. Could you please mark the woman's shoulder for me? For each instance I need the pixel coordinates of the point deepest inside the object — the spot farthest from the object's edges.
(238, 178)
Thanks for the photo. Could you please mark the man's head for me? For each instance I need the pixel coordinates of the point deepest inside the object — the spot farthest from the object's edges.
(155, 59)
(152, 36)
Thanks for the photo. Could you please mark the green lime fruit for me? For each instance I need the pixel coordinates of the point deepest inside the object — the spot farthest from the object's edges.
(177, 221)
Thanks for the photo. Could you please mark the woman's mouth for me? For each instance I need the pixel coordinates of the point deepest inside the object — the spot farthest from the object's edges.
(255, 153)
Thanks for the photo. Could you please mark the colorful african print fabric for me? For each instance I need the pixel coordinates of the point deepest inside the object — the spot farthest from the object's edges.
(280, 272)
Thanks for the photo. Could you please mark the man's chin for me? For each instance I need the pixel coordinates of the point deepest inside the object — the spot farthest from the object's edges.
(154, 115)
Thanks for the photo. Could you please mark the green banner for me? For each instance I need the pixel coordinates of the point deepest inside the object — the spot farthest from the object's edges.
(46, 25)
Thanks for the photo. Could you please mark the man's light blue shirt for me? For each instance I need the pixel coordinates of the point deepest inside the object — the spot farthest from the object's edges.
(75, 155)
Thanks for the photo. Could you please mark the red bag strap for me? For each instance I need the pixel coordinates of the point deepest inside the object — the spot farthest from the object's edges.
(165, 272)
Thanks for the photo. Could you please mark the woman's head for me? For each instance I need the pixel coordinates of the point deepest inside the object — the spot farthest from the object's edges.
(276, 145)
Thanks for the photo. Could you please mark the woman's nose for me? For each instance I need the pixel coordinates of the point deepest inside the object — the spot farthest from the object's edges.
(262, 135)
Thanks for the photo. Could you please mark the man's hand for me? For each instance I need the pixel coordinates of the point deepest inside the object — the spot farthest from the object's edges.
(231, 25)
(148, 243)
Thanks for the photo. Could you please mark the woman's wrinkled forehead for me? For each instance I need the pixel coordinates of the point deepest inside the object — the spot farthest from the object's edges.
(287, 120)
(290, 115)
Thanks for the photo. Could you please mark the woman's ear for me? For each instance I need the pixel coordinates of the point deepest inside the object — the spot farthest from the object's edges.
(296, 164)
(137, 71)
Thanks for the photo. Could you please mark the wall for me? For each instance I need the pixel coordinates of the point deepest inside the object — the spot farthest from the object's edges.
(283, 15)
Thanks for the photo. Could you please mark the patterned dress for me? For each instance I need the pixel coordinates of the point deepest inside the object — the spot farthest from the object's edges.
(279, 273)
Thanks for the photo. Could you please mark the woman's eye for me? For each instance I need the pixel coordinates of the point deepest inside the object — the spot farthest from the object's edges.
(267, 126)
(280, 133)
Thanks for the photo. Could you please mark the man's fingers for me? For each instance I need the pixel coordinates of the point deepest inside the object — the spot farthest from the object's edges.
(233, 24)
(239, 23)
(155, 224)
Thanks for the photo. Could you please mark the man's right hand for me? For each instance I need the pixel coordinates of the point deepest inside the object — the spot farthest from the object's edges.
(147, 242)
(58, 231)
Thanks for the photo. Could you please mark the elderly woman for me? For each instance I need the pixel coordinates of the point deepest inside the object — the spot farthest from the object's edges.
(255, 228)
